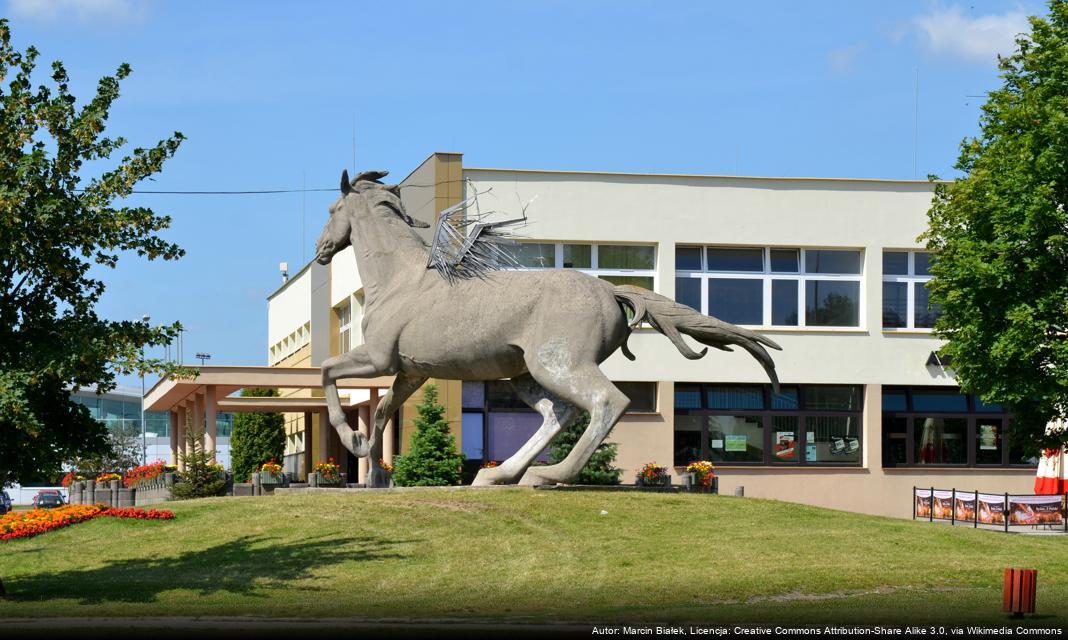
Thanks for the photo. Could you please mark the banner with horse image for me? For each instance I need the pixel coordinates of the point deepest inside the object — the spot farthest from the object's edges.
(942, 505)
(922, 507)
(964, 507)
(1032, 510)
(991, 508)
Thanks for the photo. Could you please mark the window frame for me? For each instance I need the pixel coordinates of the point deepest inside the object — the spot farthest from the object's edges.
(766, 276)
(344, 327)
(971, 415)
(594, 269)
(910, 280)
(767, 415)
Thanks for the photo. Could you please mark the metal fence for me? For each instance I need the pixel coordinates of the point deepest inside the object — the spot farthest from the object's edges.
(1002, 510)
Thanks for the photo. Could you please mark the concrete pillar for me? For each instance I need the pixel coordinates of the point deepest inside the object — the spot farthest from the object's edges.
(872, 440)
(389, 444)
(309, 443)
(183, 430)
(211, 432)
(198, 416)
(365, 417)
(173, 413)
(321, 449)
(377, 451)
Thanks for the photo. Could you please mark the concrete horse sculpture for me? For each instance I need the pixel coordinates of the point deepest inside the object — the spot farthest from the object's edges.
(547, 331)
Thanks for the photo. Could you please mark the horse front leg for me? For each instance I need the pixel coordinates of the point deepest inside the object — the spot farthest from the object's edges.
(354, 364)
(404, 385)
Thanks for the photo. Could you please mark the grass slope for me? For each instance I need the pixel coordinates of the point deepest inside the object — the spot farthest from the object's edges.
(522, 555)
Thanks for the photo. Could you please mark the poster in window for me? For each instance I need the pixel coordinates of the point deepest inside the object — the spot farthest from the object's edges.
(1034, 510)
(988, 437)
(785, 445)
(991, 508)
(734, 443)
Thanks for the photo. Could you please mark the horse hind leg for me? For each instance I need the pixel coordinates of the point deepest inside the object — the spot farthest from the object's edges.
(556, 414)
(587, 387)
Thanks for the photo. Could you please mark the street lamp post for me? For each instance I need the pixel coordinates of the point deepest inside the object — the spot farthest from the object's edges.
(144, 430)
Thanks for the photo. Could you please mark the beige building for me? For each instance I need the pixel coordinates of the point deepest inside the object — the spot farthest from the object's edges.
(831, 269)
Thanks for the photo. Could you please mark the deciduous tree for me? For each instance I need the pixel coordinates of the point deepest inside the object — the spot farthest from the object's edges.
(56, 224)
(1000, 234)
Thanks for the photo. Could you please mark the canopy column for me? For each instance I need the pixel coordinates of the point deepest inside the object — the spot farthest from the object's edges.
(173, 415)
(365, 417)
(183, 429)
(322, 451)
(309, 444)
(211, 435)
(198, 416)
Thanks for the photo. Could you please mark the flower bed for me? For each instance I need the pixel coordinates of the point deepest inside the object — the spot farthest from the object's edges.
(653, 475)
(329, 473)
(147, 472)
(703, 472)
(24, 524)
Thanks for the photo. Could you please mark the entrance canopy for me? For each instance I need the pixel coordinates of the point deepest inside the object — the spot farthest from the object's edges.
(195, 402)
(215, 383)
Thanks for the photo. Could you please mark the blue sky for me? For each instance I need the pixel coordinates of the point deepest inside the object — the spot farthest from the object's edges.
(267, 93)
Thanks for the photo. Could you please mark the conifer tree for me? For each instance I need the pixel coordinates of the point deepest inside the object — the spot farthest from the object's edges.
(599, 469)
(433, 459)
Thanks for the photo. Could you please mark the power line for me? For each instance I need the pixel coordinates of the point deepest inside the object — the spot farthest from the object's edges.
(262, 191)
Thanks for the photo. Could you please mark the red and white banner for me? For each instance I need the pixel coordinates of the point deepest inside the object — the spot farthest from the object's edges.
(1050, 478)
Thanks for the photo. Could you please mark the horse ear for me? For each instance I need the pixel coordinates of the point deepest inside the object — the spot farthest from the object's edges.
(346, 186)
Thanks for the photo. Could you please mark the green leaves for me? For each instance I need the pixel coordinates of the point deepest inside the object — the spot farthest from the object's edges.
(257, 439)
(52, 231)
(999, 232)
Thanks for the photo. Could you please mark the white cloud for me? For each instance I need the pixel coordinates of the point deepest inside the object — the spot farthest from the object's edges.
(974, 39)
(97, 12)
(844, 60)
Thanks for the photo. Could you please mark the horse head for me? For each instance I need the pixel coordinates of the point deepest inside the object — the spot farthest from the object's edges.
(364, 194)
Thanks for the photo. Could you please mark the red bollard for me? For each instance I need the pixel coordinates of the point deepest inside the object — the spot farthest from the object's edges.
(1018, 596)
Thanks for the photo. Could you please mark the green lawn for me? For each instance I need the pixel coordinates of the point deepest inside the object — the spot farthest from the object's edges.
(521, 555)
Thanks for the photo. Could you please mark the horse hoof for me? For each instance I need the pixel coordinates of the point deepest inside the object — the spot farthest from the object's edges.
(534, 479)
(491, 477)
(360, 446)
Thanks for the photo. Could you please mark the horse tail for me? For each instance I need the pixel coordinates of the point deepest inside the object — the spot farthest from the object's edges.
(672, 319)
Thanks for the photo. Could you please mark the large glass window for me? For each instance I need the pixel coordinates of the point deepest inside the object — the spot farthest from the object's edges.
(496, 422)
(941, 426)
(633, 264)
(732, 423)
(773, 287)
(906, 300)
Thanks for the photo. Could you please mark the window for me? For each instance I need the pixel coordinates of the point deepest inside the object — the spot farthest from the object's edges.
(906, 301)
(344, 328)
(495, 422)
(619, 264)
(739, 424)
(771, 287)
(941, 426)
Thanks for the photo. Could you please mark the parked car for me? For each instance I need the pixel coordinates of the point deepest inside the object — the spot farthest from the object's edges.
(5, 502)
(48, 499)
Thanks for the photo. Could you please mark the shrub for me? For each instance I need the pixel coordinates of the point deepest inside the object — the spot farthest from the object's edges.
(599, 469)
(432, 459)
